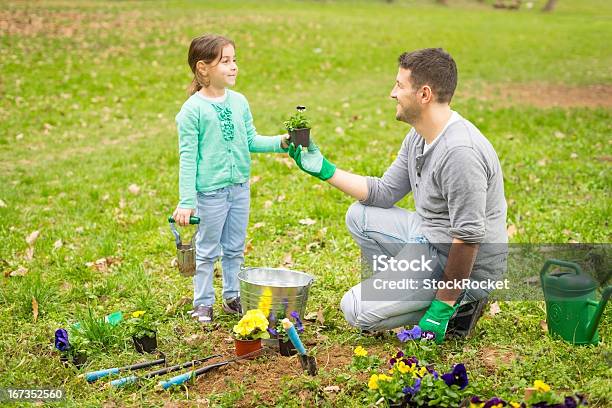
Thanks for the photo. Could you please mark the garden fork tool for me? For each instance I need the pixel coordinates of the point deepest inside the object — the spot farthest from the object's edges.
(96, 375)
(309, 363)
(183, 378)
(185, 253)
(121, 382)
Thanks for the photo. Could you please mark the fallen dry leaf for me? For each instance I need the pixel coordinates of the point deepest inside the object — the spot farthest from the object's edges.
(29, 253)
(21, 271)
(258, 225)
(122, 203)
(34, 309)
(331, 388)
(494, 309)
(79, 230)
(511, 230)
(532, 280)
(320, 317)
(310, 317)
(288, 260)
(174, 262)
(103, 264)
(268, 204)
(2, 204)
(255, 179)
(58, 244)
(280, 198)
(248, 247)
(307, 221)
(31, 239)
(544, 325)
(134, 189)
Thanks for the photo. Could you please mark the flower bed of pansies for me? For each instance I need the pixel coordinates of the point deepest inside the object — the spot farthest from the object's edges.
(407, 381)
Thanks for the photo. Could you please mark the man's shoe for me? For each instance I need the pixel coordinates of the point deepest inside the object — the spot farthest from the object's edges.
(232, 305)
(204, 314)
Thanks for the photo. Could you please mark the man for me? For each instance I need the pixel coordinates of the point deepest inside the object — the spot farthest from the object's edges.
(456, 179)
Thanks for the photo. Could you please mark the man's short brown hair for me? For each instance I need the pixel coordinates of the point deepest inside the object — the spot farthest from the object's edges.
(434, 67)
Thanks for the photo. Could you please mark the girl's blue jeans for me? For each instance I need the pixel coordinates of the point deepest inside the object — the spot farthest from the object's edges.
(222, 233)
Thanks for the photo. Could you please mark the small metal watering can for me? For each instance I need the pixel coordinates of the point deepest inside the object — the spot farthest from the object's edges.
(185, 253)
(571, 310)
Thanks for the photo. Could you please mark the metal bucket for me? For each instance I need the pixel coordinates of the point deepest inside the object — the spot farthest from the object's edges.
(276, 291)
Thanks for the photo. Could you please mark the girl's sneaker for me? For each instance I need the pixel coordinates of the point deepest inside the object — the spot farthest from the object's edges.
(232, 305)
(204, 314)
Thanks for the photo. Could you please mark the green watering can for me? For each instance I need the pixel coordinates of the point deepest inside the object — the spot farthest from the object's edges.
(571, 309)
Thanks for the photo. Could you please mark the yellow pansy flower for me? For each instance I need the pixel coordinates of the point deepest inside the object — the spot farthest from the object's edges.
(373, 383)
(403, 368)
(360, 351)
(138, 313)
(382, 377)
(541, 386)
(515, 404)
(476, 405)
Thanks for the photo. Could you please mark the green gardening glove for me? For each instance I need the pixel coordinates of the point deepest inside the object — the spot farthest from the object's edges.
(436, 318)
(312, 162)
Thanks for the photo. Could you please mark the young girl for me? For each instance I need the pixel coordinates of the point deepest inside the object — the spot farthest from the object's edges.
(216, 136)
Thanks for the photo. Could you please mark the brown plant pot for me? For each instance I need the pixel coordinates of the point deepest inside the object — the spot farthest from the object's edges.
(300, 137)
(145, 344)
(286, 348)
(244, 347)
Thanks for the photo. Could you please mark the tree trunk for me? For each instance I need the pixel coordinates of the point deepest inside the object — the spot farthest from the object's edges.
(550, 5)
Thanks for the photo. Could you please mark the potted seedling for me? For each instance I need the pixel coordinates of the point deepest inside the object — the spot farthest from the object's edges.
(298, 128)
(249, 331)
(71, 351)
(285, 346)
(142, 327)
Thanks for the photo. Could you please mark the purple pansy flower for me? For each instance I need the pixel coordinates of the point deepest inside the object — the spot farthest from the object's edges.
(394, 360)
(458, 376)
(61, 340)
(431, 370)
(493, 402)
(428, 335)
(414, 389)
(412, 334)
(570, 402)
(299, 326)
(272, 331)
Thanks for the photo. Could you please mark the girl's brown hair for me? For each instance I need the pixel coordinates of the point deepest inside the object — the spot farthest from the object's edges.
(205, 48)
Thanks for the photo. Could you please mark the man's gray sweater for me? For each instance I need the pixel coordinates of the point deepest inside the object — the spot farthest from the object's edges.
(458, 188)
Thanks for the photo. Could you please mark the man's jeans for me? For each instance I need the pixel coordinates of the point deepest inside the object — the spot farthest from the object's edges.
(222, 232)
(383, 231)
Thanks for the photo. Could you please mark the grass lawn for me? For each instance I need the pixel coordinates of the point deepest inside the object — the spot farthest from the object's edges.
(88, 157)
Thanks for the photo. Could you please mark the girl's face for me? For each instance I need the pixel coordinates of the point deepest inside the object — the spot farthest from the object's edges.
(224, 73)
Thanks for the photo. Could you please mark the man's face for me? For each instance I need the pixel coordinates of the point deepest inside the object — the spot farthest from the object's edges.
(408, 108)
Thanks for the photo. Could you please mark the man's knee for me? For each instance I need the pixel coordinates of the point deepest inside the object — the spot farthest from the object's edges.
(349, 305)
(354, 218)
